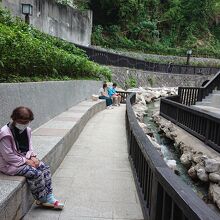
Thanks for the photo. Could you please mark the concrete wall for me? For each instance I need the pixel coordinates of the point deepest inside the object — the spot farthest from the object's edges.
(57, 20)
(46, 99)
(155, 79)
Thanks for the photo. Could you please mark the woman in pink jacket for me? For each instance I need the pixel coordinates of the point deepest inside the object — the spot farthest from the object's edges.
(17, 157)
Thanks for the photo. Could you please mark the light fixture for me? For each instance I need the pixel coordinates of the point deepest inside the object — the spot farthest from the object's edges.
(27, 10)
(188, 53)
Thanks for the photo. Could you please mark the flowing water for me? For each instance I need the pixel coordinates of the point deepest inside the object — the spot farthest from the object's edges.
(170, 152)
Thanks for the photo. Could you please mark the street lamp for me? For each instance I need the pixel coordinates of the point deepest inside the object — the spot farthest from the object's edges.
(189, 52)
(27, 10)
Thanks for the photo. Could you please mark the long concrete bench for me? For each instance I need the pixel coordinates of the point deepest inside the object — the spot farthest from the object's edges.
(52, 141)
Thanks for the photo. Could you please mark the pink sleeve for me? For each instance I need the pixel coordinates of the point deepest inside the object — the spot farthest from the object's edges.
(30, 153)
(9, 155)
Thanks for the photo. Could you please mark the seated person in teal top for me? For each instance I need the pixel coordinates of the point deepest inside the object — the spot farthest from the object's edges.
(114, 95)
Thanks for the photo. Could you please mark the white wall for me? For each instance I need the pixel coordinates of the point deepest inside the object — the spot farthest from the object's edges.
(46, 99)
(57, 20)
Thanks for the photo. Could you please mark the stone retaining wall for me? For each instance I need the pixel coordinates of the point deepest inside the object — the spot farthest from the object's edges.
(121, 75)
(46, 99)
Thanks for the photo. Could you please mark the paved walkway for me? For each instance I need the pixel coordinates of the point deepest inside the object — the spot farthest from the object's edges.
(95, 179)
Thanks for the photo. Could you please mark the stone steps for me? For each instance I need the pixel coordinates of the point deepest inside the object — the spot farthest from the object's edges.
(210, 104)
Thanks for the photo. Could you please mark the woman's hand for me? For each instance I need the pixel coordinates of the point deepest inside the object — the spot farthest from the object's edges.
(36, 161)
(31, 163)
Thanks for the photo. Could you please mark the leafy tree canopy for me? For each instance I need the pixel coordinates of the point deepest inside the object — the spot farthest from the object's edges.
(172, 23)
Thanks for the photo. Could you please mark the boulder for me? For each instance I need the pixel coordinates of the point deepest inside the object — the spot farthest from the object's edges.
(197, 157)
(139, 117)
(140, 99)
(139, 108)
(214, 193)
(192, 173)
(214, 177)
(149, 96)
(211, 165)
(146, 129)
(202, 175)
(157, 94)
(163, 93)
(186, 159)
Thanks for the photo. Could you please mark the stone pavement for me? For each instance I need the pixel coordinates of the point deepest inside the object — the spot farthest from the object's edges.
(95, 180)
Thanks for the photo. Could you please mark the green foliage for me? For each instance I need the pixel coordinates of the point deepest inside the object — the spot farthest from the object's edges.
(29, 54)
(79, 4)
(151, 80)
(156, 26)
(131, 82)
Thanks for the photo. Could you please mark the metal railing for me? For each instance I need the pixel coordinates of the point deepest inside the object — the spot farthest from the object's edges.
(204, 126)
(162, 194)
(108, 58)
(177, 109)
(190, 95)
(123, 95)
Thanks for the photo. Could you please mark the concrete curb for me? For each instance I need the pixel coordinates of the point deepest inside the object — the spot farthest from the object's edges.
(15, 197)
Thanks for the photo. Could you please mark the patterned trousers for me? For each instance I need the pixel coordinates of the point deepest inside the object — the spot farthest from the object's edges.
(38, 179)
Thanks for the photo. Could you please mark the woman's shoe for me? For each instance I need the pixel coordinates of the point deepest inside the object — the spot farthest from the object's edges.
(55, 205)
(51, 202)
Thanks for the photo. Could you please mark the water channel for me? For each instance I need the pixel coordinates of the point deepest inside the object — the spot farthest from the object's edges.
(170, 152)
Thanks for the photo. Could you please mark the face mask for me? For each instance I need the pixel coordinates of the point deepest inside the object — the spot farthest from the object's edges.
(21, 127)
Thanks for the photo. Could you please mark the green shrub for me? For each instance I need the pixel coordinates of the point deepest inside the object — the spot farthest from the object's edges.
(117, 40)
(151, 80)
(131, 82)
(26, 53)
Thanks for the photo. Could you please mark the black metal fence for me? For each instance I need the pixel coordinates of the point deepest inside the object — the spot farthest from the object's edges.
(177, 109)
(123, 95)
(162, 194)
(204, 126)
(190, 95)
(108, 58)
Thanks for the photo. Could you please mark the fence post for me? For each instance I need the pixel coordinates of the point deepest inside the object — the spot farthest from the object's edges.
(200, 94)
(156, 200)
(207, 131)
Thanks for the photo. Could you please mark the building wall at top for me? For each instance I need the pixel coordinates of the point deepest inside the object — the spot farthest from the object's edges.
(55, 19)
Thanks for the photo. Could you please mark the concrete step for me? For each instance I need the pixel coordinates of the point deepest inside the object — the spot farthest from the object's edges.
(208, 109)
(203, 103)
(210, 96)
(216, 92)
(212, 100)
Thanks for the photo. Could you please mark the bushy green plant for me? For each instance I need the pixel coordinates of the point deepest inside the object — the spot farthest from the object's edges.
(151, 80)
(27, 54)
(161, 27)
(131, 82)
(79, 4)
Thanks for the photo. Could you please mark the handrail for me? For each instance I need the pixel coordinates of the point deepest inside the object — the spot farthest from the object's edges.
(109, 58)
(162, 194)
(204, 126)
(213, 84)
(190, 95)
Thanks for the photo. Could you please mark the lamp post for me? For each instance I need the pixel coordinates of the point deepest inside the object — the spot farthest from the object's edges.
(189, 52)
(27, 10)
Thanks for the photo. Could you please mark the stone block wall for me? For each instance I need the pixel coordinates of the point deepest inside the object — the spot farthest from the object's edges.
(121, 75)
(46, 99)
(56, 19)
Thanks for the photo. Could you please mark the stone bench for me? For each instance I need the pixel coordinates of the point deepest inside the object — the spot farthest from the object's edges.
(51, 142)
